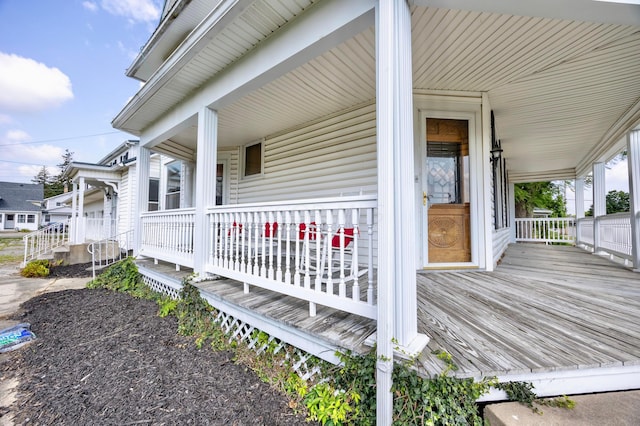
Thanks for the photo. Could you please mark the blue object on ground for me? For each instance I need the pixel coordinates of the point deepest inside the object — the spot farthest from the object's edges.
(14, 337)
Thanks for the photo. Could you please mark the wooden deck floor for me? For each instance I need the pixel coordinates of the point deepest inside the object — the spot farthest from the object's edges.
(544, 309)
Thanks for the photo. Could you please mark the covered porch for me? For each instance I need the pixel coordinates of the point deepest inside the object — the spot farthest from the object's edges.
(557, 316)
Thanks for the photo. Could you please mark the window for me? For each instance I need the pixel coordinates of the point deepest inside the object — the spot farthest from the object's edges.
(9, 217)
(253, 159)
(174, 170)
(47, 218)
(31, 218)
(21, 218)
(219, 184)
(154, 191)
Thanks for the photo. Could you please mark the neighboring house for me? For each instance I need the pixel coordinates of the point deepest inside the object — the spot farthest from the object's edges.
(56, 209)
(395, 129)
(103, 194)
(20, 206)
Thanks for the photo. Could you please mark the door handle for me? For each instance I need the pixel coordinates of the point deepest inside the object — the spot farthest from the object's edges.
(424, 198)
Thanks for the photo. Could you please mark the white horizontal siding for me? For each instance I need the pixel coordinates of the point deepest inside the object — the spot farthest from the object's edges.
(328, 158)
(501, 239)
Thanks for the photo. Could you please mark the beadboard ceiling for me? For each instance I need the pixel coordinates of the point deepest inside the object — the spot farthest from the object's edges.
(561, 90)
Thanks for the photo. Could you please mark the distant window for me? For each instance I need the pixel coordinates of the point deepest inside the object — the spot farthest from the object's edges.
(21, 218)
(47, 218)
(174, 170)
(31, 218)
(219, 184)
(154, 191)
(253, 159)
(10, 217)
(58, 204)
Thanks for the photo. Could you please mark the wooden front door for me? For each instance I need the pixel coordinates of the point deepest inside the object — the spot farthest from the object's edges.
(446, 195)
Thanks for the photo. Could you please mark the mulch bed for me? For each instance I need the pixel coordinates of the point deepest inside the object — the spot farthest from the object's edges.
(79, 270)
(105, 358)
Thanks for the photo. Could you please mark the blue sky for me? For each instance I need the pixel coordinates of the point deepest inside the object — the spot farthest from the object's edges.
(62, 81)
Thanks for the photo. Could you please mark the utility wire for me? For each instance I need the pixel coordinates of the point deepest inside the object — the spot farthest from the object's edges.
(59, 139)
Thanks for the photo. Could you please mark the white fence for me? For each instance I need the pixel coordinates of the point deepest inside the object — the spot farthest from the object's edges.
(546, 230)
(313, 250)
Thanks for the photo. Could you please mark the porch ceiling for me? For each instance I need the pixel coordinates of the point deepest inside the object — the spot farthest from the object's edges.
(563, 92)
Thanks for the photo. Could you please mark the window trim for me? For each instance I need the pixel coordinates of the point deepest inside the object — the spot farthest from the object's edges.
(244, 160)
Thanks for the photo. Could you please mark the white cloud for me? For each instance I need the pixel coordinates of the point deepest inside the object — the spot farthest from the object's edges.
(13, 136)
(136, 10)
(27, 85)
(89, 5)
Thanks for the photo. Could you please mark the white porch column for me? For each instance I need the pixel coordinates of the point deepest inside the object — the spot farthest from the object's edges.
(512, 212)
(633, 162)
(81, 222)
(205, 182)
(107, 196)
(73, 226)
(186, 184)
(579, 188)
(396, 204)
(599, 190)
(599, 202)
(143, 171)
(579, 204)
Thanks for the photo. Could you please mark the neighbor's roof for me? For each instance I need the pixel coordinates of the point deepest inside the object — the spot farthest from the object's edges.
(20, 197)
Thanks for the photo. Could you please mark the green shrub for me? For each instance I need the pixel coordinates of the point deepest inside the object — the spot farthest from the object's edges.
(36, 269)
(123, 277)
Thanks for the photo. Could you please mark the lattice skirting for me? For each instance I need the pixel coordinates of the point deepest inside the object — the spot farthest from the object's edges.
(306, 365)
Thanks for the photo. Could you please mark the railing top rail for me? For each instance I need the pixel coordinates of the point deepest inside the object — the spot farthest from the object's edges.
(189, 210)
(544, 219)
(623, 215)
(359, 201)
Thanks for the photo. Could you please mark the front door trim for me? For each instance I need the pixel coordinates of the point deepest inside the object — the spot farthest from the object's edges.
(475, 168)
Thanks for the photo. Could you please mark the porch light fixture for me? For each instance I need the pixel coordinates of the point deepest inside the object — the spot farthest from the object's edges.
(496, 153)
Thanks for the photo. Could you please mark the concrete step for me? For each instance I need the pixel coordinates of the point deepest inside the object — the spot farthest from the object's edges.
(613, 408)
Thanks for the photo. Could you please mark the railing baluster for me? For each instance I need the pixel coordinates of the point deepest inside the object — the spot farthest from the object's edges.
(342, 288)
(287, 239)
(370, 260)
(355, 259)
(277, 228)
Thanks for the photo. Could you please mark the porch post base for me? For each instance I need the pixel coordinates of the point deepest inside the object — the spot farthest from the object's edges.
(410, 351)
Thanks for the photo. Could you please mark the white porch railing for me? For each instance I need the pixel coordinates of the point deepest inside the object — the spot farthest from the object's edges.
(96, 229)
(315, 250)
(546, 230)
(612, 235)
(585, 232)
(44, 240)
(110, 250)
(168, 235)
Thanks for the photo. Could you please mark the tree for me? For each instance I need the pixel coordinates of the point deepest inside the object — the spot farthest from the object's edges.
(54, 185)
(617, 202)
(44, 178)
(545, 195)
(64, 181)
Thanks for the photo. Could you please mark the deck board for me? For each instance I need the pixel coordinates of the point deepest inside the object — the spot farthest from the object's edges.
(544, 308)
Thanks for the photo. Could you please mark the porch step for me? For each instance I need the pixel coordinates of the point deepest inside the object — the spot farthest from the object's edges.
(613, 408)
